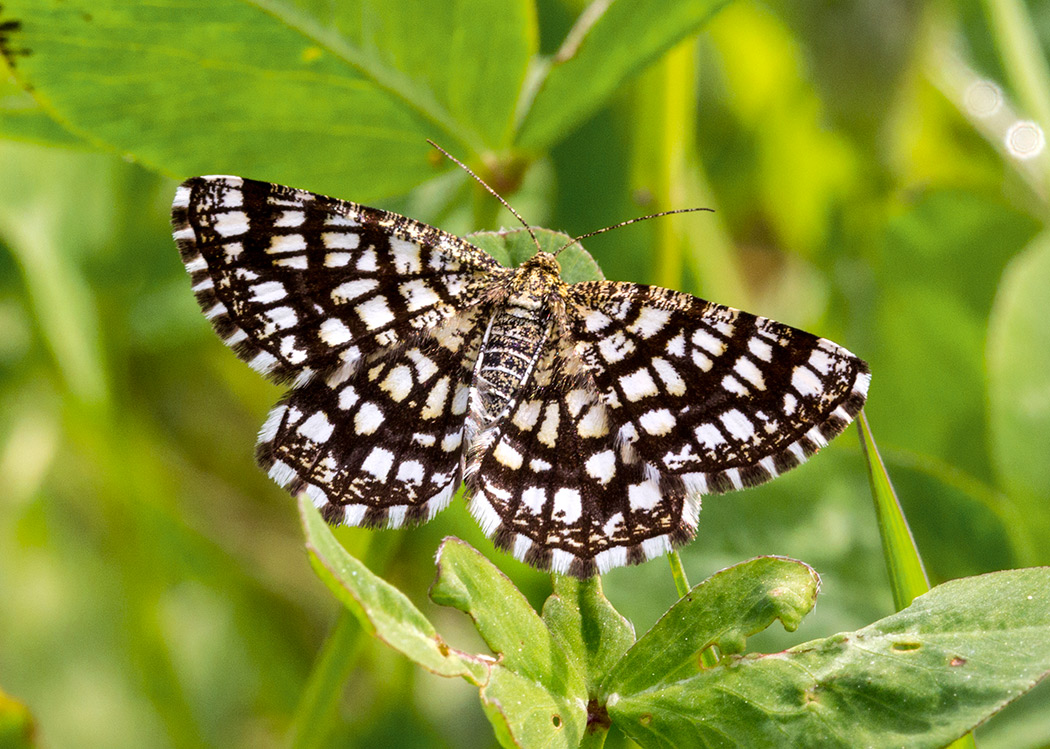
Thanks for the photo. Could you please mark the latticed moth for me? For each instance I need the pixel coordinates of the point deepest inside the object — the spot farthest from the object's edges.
(585, 419)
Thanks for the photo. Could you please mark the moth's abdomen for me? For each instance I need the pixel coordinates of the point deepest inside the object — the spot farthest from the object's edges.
(514, 339)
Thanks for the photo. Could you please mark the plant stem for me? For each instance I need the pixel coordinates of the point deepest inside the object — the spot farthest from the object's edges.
(324, 687)
(1021, 56)
(681, 582)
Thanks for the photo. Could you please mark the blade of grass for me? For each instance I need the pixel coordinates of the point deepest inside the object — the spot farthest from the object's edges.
(907, 575)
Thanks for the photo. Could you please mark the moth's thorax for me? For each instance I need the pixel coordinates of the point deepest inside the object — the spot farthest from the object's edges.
(536, 282)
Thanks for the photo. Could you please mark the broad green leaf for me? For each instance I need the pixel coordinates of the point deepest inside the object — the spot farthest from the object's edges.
(919, 678)
(22, 118)
(536, 694)
(524, 713)
(512, 248)
(382, 609)
(265, 89)
(610, 42)
(17, 728)
(724, 611)
(907, 575)
(588, 628)
(1019, 384)
(469, 55)
(469, 582)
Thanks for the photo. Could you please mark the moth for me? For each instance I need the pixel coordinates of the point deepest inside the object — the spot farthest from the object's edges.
(586, 420)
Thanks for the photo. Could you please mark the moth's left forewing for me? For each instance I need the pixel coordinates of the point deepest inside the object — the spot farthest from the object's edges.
(299, 283)
(719, 397)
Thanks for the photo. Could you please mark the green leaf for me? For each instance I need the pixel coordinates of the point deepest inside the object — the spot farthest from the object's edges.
(1019, 384)
(469, 55)
(919, 678)
(907, 575)
(512, 248)
(536, 694)
(723, 610)
(587, 627)
(610, 42)
(337, 101)
(383, 610)
(22, 117)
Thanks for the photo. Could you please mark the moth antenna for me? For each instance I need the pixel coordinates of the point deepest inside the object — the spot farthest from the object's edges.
(494, 194)
(630, 221)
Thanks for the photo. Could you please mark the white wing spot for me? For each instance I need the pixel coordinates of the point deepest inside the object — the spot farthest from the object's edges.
(805, 382)
(669, 375)
(643, 496)
(317, 428)
(709, 436)
(405, 255)
(708, 342)
(281, 243)
(418, 294)
(351, 290)
(378, 463)
(548, 434)
(657, 423)
(290, 219)
(398, 383)
(526, 415)
(760, 349)
(638, 385)
(650, 322)
(334, 332)
(231, 224)
(435, 405)
(338, 240)
(615, 347)
(567, 505)
(367, 261)
(336, 259)
(507, 455)
(534, 498)
(268, 291)
(375, 312)
(738, 425)
(368, 418)
(747, 369)
(348, 397)
(410, 472)
(734, 386)
(601, 466)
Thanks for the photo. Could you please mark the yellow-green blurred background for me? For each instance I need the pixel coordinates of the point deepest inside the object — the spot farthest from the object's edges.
(879, 178)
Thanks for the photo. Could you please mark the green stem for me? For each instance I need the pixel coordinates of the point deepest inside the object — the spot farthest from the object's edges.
(907, 575)
(1021, 56)
(681, 582)
(324, 688)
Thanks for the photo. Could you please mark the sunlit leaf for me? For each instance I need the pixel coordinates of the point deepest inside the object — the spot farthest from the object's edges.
(919, 678)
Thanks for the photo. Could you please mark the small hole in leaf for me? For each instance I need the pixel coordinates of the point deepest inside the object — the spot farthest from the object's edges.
(556, 720)
(906, 646)
(957, 661)
(646, 719)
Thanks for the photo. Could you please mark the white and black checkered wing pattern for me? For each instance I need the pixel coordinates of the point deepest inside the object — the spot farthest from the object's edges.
(369, 314)
(720, 398)
(298, 283)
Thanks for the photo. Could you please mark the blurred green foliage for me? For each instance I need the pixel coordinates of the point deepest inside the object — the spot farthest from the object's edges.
(156, 590)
